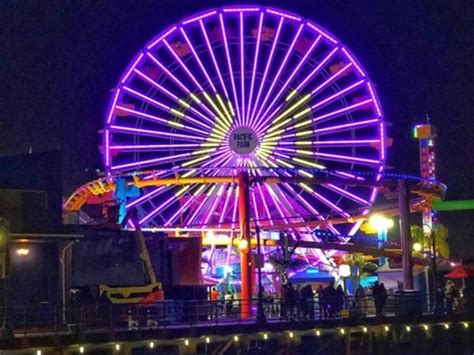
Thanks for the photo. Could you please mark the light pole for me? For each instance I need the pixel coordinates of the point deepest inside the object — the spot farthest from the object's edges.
(260, 313)
(433, 261)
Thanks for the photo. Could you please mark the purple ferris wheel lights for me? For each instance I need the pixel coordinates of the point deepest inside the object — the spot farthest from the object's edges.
(301, 99)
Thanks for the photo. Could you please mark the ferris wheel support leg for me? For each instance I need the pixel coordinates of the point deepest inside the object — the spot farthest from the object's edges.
(245, 261)
(405, 237)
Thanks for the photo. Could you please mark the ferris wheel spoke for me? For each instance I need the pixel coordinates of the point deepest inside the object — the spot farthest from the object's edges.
(254, 69)
(144, 198)
(155, 147)
(282, 66)
(345, 127)
(347, 159)
(301, 101)
(166, 108)
(289, 80)
(193, 78)
(172, 96)
(231, 71)
(166, 123)
(347, 194)
(337, 95)
(154, 133)
(154, 162)
(211, 52)
(267, 68)
(198, 59)
(226, 204)
(183, 86)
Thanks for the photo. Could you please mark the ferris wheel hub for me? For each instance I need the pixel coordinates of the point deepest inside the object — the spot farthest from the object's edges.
(243, 140)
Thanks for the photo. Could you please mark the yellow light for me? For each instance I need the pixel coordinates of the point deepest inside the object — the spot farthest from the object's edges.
(177, 113)
(152, 345)
(293, 93)
(465, 324)
(186, 342)
(408, 328)
(364, 329)
(387, 328)
(184, 103)
(38, 352)
(379, 222)
(22, 251)
(265, 336)
(236, 338)
(243, 244)
(425, 327)
(417, 247)
(117, 347)
(291, 335)
(208, 340)
(302, 113)
(195, 98)
(342, 330)
(81, 350)
(318, 333)
(446, 325)
(191, 162)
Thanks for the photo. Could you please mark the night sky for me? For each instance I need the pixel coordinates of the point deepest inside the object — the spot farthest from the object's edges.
(60, 59)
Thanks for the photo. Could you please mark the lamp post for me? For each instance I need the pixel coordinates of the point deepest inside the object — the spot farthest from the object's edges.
(260, 313)
(433, 261)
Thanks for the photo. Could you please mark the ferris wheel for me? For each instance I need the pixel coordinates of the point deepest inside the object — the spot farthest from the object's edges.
(252, 88)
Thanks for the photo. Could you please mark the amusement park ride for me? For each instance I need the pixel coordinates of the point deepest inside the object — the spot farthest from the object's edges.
(245, 117)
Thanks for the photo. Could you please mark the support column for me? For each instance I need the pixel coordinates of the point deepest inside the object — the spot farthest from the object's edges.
(245, 262)
(405, 237)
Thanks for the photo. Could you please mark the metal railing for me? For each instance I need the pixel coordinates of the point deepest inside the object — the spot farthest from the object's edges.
(183, 314)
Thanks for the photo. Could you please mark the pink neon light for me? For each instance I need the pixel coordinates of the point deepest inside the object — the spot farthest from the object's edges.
(147, 196)
(338, 94)
(347, 142)
(156, 210)
(317, 69)
(178, 59)
(267, 67)
(185, 137)
(198, 60)
(348, 194)
(290, 78)
(372, 93)
(165, 107)
(343, 127)
(257, 49)
(284, 15)
(153, 146)
(382, 141)
(280, 69)
(344, 157)
(343, 110)
(172, 29)
(209, 47)
(226, 203)
(331, 78)
(155, 84)
(231, 71)
(152, 161)
(207, 14)
(125, 77)
(112, 108)
(107, 145)
(242, 9)
(325, 34)
(359, 69)
(180, 84)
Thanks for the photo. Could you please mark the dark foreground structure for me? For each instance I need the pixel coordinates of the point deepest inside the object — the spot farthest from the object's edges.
(406, 326)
